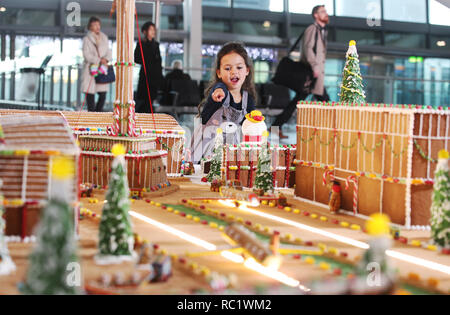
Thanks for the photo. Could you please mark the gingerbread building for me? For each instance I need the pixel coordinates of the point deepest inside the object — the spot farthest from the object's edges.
(170, 136)
(28, 146)
(241, 161)
(384, 156)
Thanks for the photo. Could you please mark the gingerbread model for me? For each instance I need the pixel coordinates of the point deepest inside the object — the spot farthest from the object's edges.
(169, 134)
(385, 154)
(146, 166)
(240, 161)
(29, 146)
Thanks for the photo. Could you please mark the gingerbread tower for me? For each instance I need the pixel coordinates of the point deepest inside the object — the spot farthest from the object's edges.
(146, 166)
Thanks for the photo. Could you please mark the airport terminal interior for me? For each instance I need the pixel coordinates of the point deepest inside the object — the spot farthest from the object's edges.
(186, 147)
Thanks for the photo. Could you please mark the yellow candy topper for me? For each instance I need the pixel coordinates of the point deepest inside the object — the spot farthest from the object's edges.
(378, 225)
(118, 149)
(443, 154)
(62, 167)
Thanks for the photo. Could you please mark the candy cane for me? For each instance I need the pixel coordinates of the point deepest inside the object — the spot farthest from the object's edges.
(354, 180)
(324, 177)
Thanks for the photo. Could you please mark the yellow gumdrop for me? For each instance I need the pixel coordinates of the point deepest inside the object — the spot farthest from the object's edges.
(62, 167)
(352, 43)
(310, 260)
(118, 149)
(443, 154)
(378, 224)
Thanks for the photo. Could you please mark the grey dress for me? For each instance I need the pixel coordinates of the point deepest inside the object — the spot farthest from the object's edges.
(228, 118)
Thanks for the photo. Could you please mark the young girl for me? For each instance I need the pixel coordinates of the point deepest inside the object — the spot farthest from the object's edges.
(230, 96)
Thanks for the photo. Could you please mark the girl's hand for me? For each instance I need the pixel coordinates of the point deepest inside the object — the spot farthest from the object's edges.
(218, 95)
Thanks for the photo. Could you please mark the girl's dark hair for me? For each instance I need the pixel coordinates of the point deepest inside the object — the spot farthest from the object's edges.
(92, 19)
(146, 26)
(248, 85)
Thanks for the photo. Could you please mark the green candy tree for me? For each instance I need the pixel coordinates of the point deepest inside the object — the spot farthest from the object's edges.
(440, 207)
(6, 263)
(115, 232)
(54, 267)
(215, 171)
(352, 89)
(264, 179)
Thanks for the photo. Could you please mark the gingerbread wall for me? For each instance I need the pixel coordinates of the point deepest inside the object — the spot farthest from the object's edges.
(238, 162)
(390, 152)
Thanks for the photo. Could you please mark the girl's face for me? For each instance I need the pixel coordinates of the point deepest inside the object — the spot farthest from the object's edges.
(151, 33)
(233, 71)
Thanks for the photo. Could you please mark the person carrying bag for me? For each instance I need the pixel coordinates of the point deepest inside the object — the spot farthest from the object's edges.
(296, 75)
(96, 74)
(308, 75)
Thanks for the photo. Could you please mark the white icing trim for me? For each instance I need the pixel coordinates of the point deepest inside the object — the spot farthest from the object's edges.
(113, 260)
(409, 173)
(109, 154)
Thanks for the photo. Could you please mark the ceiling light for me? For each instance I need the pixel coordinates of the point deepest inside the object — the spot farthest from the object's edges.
(441, 43)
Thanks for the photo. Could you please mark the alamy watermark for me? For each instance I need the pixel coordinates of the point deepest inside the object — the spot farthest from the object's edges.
(373, 17)
(74, 17)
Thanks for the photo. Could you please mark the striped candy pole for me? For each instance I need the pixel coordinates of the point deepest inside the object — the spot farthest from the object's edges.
(354, 180)
(325, 175)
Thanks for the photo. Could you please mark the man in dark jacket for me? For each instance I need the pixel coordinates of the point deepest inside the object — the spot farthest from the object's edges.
(152, 57)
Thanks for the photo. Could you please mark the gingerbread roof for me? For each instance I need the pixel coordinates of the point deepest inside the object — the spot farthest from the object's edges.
(37, 133)
(80, 120)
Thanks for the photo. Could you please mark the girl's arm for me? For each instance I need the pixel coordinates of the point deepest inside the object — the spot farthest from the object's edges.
(212, 106)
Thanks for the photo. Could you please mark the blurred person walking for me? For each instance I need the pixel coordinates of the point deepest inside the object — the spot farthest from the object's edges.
(313, 51)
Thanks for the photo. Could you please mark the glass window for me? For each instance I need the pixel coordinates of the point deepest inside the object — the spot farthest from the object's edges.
(296, 31)
(105, 19)
(359, 8)
(440, 42)
(265, 28)
(28, 17)
(361, 37)
(217, 3)
(405, 40)
(305, 7)
(271, 5)
(216, 25)
(405, 10)
(438, 13)
(437, 93)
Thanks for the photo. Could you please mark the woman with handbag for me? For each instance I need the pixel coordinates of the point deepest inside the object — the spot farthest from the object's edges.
(96, 55)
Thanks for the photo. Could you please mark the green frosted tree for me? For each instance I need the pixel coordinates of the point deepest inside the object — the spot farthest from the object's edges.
(440, 207)
(115, 232)
(352, 89)
(6, 263)
(54, 267)
(215, 171)
(264, 177)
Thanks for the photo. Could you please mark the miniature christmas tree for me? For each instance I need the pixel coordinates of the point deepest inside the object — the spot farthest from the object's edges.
(352, 89)
(6, 263)
(375, 256)
(215, 171)
(263, 178)
(440, 207)
(52, 260)
(115, 232)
